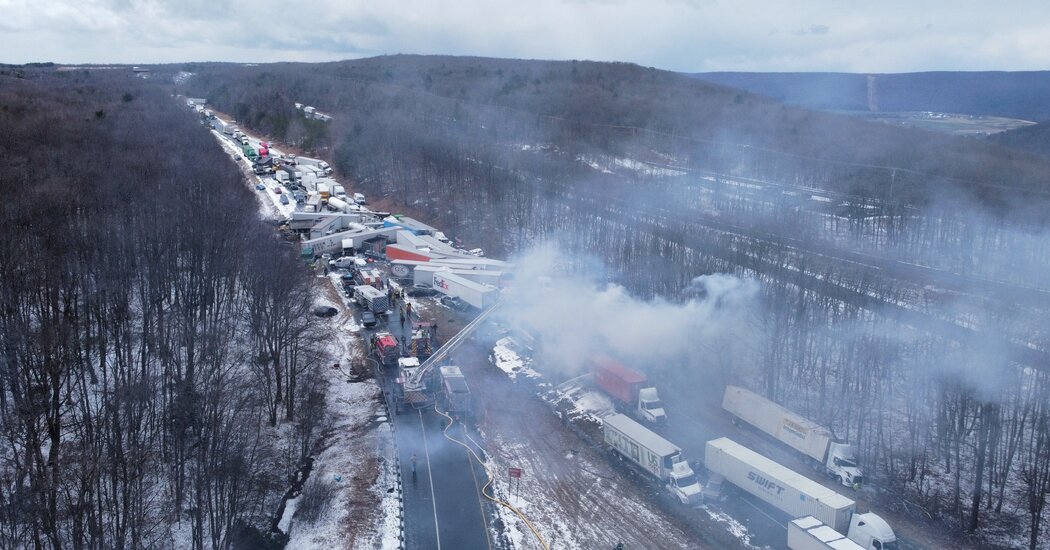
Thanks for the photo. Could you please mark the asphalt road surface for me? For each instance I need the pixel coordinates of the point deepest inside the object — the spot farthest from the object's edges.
(443, 504)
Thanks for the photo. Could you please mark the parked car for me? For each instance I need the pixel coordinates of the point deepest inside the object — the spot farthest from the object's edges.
(277, 190)
(284, 199)
(368, 319)
(454, 302)
(260, 186)
(325, 311)
(420, 291)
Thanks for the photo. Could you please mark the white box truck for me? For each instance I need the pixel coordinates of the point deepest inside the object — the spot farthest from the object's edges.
(372, 298)
(809, 533)
(838, 459)
(654, 454)
(795, 494)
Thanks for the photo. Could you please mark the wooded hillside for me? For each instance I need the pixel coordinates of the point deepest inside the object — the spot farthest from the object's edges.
(903, 272)
(154, 338)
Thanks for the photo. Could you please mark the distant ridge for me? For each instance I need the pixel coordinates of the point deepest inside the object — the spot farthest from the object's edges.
(1022, 95)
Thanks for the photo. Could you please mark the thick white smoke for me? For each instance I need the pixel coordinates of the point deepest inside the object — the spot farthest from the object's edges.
(575, 317)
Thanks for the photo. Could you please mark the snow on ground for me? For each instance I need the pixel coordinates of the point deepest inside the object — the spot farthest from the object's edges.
(357, 463)
(606, 165)
(737, 529)
(645, 168)
(361, 513)
(593, 164)
(270, 205)
(289, 511)
(586, 403)
(509, 361)
(571, 493)
(358, 460)
(573, 499)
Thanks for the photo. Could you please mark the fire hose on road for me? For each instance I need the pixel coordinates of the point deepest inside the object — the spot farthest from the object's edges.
(491, 477)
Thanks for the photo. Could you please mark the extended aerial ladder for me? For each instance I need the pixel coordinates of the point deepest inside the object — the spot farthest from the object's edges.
(411, 383)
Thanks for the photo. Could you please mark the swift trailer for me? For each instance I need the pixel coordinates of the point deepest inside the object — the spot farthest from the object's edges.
(809, 533)
(795, 494)
(630, 389)
(655, 455)
(837, 459)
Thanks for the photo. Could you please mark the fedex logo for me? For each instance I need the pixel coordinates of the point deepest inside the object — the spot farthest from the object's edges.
(441, 283)
(768, 484)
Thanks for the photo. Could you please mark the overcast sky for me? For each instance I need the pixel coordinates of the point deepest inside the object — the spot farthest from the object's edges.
(681, 35)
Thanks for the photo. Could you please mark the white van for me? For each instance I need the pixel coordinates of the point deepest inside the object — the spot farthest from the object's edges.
(359, 198)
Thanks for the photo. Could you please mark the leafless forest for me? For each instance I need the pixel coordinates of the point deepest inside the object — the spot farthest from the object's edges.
(903, 273)
(158, 381)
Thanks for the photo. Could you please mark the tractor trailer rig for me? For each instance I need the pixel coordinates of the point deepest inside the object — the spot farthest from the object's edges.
(653, 454)
(630, 389)
(795, 494)
(836, 458)
(809, 533)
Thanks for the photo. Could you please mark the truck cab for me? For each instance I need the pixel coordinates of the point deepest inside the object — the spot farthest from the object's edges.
(872, 532)
(650, 408)
(842, 465)
(385, 348)
(683, 483)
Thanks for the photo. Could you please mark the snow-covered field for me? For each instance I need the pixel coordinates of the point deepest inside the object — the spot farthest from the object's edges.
(358, 465)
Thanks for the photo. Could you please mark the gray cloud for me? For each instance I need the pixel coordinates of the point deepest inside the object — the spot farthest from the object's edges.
(686, 35)
(813, 29)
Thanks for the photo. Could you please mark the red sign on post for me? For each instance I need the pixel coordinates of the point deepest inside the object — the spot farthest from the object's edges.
(514, 472)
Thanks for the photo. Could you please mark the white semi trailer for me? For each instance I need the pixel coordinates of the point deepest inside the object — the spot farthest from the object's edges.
(836, 458)
(374, 299)
(809, 533)
(654, 454)
(795, 494)
(476, 294)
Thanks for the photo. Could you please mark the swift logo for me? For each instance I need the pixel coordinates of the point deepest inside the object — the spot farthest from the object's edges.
(768, 484)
